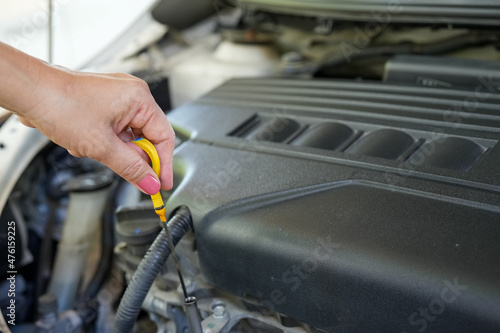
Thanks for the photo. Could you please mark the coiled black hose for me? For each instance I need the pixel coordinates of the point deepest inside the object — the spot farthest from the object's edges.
(148, 269)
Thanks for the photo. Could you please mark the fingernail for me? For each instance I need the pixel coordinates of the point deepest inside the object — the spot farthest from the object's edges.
(149, 185)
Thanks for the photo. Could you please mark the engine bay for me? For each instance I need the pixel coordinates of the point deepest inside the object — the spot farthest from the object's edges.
(337, 169)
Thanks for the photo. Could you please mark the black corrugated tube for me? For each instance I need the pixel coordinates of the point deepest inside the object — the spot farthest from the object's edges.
(148, 269)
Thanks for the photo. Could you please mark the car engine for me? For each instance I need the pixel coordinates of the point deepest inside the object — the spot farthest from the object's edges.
(336, 169)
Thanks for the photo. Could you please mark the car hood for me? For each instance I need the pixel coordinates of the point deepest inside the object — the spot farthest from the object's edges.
(458, 12)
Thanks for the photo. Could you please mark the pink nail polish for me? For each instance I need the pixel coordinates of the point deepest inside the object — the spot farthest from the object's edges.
(149, 185)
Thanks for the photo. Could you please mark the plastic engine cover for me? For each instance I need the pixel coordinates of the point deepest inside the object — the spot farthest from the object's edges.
(350, 206)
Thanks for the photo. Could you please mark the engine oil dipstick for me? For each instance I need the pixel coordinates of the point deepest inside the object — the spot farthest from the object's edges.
(158, 204)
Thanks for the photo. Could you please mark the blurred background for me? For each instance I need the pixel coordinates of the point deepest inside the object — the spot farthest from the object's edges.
(82, 29)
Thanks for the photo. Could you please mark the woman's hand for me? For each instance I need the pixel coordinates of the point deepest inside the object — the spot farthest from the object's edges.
(92, 115)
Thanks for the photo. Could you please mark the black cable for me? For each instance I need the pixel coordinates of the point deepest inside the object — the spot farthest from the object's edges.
(148, 269)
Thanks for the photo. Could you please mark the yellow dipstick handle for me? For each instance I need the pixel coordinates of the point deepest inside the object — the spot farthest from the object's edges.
(148, 147)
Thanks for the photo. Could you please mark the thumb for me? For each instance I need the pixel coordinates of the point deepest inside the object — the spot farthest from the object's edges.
(132, 167)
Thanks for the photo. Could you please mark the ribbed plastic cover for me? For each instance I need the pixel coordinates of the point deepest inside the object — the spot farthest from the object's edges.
(351, 206)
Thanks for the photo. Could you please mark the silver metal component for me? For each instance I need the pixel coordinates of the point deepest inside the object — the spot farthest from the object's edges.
(163, 325)
(294, 63)
(219, 318)
(68, 321)
(292, 57)
(157, 300)
(234, 314)
(190, 288)
(225, 313)
(219, 310)
(324, 26)
(120, 247)
(193, 315)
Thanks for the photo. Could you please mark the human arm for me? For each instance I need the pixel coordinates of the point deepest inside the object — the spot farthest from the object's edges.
(93, 115)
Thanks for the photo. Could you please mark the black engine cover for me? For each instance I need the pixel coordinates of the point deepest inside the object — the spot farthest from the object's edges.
(351, 206)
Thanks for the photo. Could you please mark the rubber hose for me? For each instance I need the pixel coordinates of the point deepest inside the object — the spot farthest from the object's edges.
(148, 269)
